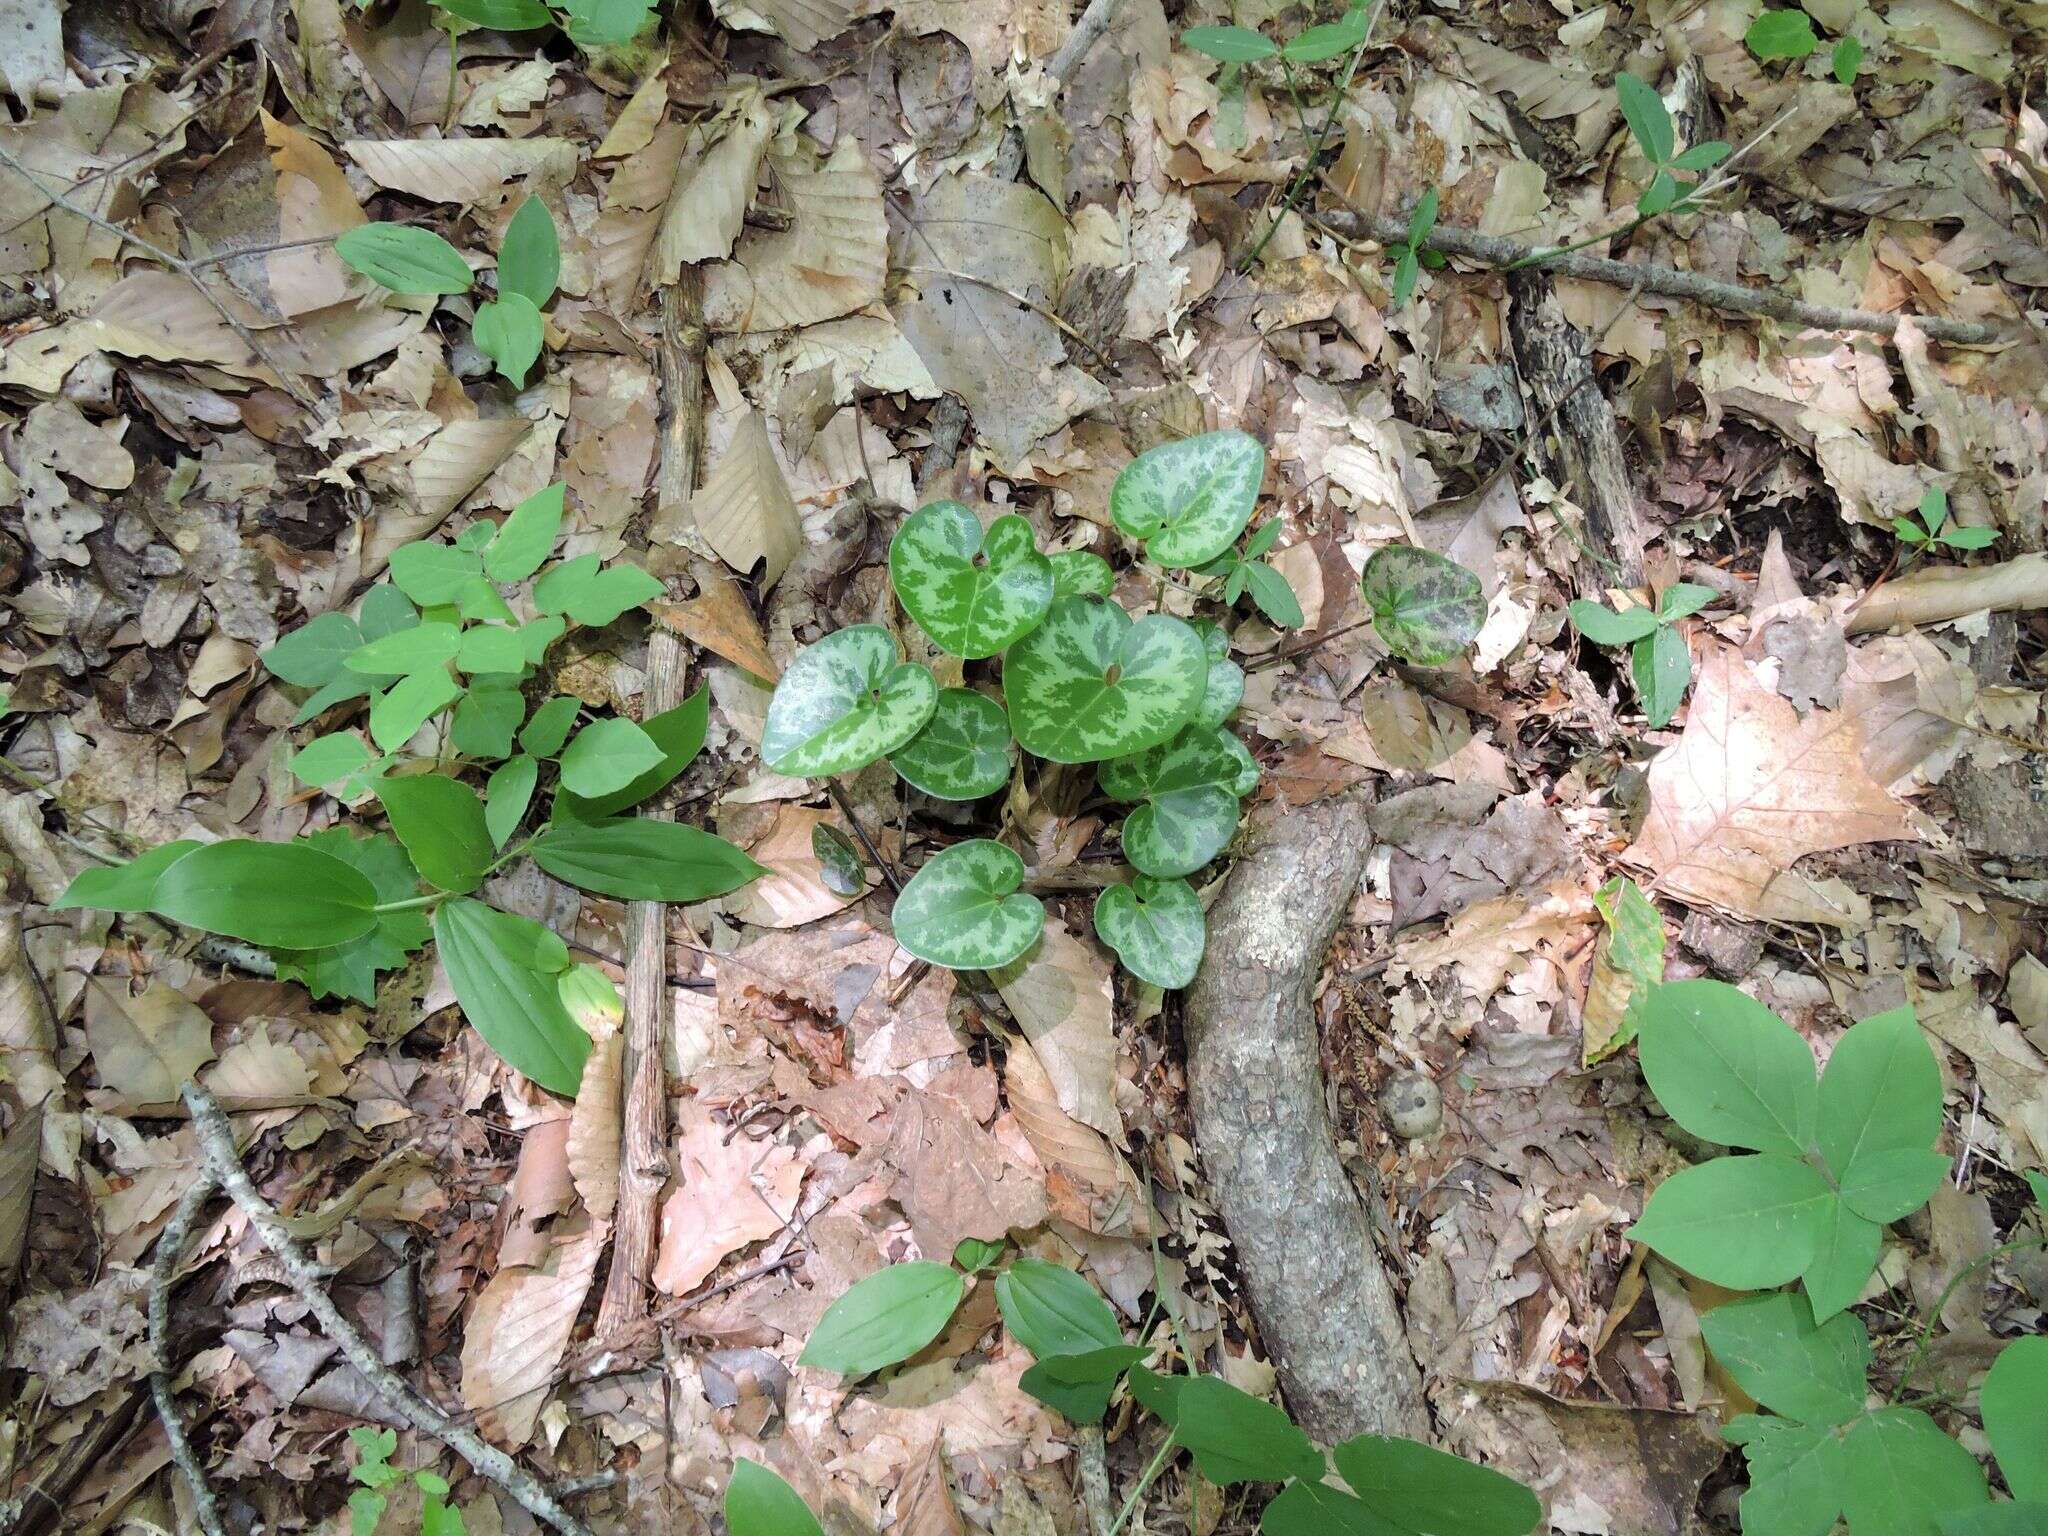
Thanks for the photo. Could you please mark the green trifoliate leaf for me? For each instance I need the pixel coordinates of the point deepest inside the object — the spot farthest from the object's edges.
(1782, 1357)
(1080, 573)
(1188, 501)
(963, 752)
(407, 651)
(1089, 683)
(1417, 1490)
(887, 1317)
(758, 1503)
(530, 261)
(350, 970)
(525, 539)
(431, 574)
(1233, 45)
(404, 258)
(484, 721)
(1053, 1311)
(1235, 1437)
(973, 594)
(407, 705)
(2013, 1398)
(679, 732)
(1156, 927)
(590, 595)
(1970, 538)
(1848, 1252)
(504, 970)
(1603, 626)
(441, 822)
(329, 759)
(1904, 1476)
(383, 609)
(963, 909)
(1647, 117)
(544, 734)
(315, 653)
(1880, 1111)
(490, 648)
(1662, 666)
(845, 702)
(1796, 1472)
(1742, 1222)
(1781, 35)
(1190, 788)
(1425, 609)
(607, 755)
(1728, 1069)
(509, 332)
(291, 895)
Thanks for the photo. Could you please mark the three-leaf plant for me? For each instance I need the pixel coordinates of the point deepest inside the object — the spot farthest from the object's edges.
(589, 23)
(1649, 121)
(1927, 527)
(440, 658)
(373, 1469)
(1249, 572)
(1659, 658)
(1411, 255)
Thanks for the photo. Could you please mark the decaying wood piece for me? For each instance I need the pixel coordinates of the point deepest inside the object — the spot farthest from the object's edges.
(1577, 442)
(1324, 1303)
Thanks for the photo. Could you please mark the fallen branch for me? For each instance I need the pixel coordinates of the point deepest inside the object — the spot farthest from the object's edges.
(1088, 31)
(163, 1273)
(223, 1165)
(1498, 251)
(1940, 593)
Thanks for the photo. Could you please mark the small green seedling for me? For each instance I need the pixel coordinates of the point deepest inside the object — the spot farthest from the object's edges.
(509, 330)
(1658, 655)
(1783, 35)
(1650, 122)
(1411, 256)
(1927, 527)
(1316, 45)
(589, 23)
(1847, 61)
(373, 1469)
(1271, 593)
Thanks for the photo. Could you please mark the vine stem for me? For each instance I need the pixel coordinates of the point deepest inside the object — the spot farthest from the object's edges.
(1145, 1481)
(1926, 1341)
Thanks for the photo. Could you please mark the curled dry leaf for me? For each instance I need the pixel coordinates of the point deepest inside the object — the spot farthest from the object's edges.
(1087, 1181)
(793, 892)
(744, 509)
(830, 261)
(518, 1331)
(595, 1127)
(1061, 994)
(714, 185)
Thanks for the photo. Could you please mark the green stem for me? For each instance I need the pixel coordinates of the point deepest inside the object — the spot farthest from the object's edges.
(1308, 167)
(411, 903)
(1949, 1290)
(1145, 1481)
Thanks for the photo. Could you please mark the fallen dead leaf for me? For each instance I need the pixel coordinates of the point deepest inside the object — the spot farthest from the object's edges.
(1063, 999)
(731, 1191)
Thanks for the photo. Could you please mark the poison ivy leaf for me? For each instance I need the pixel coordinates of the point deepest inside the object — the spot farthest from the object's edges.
(384, 609)
(507, 796)
(1842, 1264)
(1156, 927)
(350, 970)
(678, 732)
(329, 759)
(1781, 35)
(973, 594)
(490, 648)
(1904, 1475)
(844, 702)
(312, 655)
(526, 538)
(1787, 1361)
(1603, 626)
(126, 887)
(1970, 538)
(484, 723)
(1425, 608)
(2013, 1398)
(288, 894)
(1053, 1311)
(1189, 500)
(1662, 665)
(432, 574)
(500, 15)
(758, 1503)
(1237, 1438)
(418, 649)
(1190, 788)
(1089, 683)
(887, 1317)
(1233, 45)
(1080, 573)
(1879, 1112)
(963, 752)
(530, 264)
(404, 258)
(1081, 1385)
(1741, 1222)
(1728, 1069)
(441, 822)
(544, 734)
(1796, 1472)
(641, 859)
(963, 910)
(606, 756)
(1420, 1491)
(503, 968)
(1273, 596)
(1702, 157)
(508, 330)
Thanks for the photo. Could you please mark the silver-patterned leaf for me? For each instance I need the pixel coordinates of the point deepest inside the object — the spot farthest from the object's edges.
(845, 702)
(963, 752)
(1190, 788)
(1190, 500)
(1080, 573)
(1156, 927)
(1089, 683)
(974, 594)
(1225, 690)
(1425, 608)
(963, 909)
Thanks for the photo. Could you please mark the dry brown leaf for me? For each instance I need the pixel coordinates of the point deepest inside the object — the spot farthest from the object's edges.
(1061, 994)
(955, 1180)
(314, 203)
(731, 1191)
(1087, 1182)
(1750, 789)
(720, 619)
(830, 262)
(147, 1047)
(744, 510)
(519, 1329)
(924, 1500)
(461, 171)
(19, 1154)
(595, 1126)
(714, 184)
(803, 24)
(1490, 940)
(793, 892)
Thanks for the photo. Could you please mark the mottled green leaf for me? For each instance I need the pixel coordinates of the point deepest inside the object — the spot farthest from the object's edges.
(1223, 690)
(963, 752)
(1189, 500)
(1425, 609)
(973, 594)
(1156, 927)
(1190, 787)
(1089, 683)
(844, 702)
(1080, 573)
(963, 910)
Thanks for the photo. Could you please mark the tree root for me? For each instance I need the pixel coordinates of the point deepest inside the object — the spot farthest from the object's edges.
(1304, 1244)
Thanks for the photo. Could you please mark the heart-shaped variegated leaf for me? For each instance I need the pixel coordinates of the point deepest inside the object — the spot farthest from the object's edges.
(1190, 500)
(973, 594)
(1080, 573)
(1225, 690)
(963, 909)
(1191, 788)
(1156, 928)
(844, 702)
(1089, 684)
(1426, 609)
(963, 752)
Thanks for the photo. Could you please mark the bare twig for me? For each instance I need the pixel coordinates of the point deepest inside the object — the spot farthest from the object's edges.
(163, 1272)
(178, 264)
(1088, 30)
(224, 1165)
(1500, 252)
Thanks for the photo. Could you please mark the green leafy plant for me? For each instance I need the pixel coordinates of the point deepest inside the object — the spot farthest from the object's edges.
(509, 330)
(1847, 60)
(1927, 527)
(589, 23)
(373, 1469)
(1411, 256)
(1781, 35)
(1245, 573)
(1426, 609)
(1649, 122)
(1659, 659)
(440, 657)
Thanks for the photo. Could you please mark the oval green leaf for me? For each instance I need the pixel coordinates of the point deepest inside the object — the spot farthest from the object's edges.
(1233, 45)
(887, 1317)
(679, 732)
(963, 909)
(1089, 683)
(508, 794)
(1743, 1222)
(1880, 1110)
(1781, 35)
(282, 894)
(1415, 1487)
(1662, 666)
(530, 260)
(404, 258)
(1188, 501)
(1728, 1069)
(638, 858)
(1053, 1311)
(1156, 927)
(963, 752)
(758, 1503)
(1425, 609)
(1224, 688)
(1603, 626)
(508, 331)
(503, 969)
(407, 705)
(526, 538)
(606, 756)
(1235, 1437)
(1190, 788)
(441, 822)
(845, 702)
(973, 594)
(129, 887)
